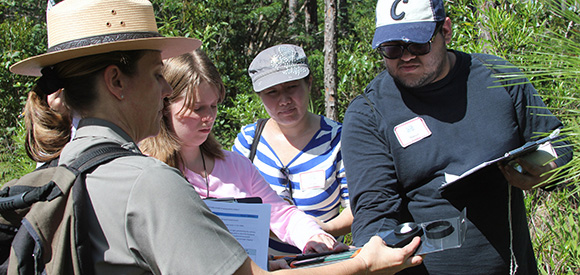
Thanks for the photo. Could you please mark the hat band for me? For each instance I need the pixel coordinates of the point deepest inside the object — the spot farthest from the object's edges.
(101, 39)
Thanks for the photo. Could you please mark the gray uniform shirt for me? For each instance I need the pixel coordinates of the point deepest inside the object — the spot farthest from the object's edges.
(145, 218)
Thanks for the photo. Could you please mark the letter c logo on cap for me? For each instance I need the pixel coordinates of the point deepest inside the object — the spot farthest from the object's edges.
(394, 14)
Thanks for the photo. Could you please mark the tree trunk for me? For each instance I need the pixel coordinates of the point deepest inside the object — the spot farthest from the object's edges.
(330, 59)
(485, 34)
(292, 4)
(343, 18)
(310, 16)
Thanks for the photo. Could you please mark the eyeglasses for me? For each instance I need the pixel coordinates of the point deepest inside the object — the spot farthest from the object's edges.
(396, 51)
(287, 184)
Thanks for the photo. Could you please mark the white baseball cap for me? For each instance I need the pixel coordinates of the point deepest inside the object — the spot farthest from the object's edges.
(411, 21)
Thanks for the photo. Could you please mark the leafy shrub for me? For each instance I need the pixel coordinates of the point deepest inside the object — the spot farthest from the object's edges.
(247, 108)
(23, 36)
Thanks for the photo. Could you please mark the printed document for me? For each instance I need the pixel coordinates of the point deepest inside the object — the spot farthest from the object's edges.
(249, 223)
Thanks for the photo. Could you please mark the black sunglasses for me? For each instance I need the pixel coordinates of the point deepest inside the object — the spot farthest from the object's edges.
(396, 51)
(287, 183)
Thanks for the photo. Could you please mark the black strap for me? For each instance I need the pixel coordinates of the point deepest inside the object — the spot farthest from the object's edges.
(259, 128)
(99, 154)
(88, 160)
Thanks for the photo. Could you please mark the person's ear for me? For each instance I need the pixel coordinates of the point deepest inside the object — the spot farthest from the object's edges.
(447, 30)
(114, 81)
(309, 82)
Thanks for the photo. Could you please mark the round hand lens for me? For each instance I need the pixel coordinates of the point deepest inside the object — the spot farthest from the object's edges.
(438, 229)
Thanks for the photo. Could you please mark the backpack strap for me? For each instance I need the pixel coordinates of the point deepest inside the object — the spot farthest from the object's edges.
(258, 132)
(99, 154)
(84, 164)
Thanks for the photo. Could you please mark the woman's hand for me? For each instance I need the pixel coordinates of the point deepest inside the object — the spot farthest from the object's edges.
(277, 264)
(322, 243)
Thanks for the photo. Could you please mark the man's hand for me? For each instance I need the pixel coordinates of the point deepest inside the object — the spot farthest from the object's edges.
(532, 174)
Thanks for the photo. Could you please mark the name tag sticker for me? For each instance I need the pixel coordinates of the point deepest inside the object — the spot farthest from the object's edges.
(411, 131)
(312, 180)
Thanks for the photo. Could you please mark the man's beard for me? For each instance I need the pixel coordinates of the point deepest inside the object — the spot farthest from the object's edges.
(426, 78)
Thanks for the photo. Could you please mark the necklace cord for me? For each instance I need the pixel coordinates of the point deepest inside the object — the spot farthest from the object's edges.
(205, 173)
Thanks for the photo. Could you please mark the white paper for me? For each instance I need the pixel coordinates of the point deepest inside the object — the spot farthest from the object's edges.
(249, 223)
(543, 154)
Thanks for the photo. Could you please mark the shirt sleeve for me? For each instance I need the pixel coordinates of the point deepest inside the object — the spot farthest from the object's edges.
(341, 178)
(171, 231)
(244, 140)
(288, 222)
(372, 182)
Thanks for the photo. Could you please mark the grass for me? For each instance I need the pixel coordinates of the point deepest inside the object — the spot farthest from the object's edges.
(14, 163)
(555, 230)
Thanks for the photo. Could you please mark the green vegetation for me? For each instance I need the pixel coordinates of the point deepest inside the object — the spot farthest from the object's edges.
(23, 35)
(541, 37)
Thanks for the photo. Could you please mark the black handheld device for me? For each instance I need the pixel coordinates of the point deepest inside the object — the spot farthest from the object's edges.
(402, 234)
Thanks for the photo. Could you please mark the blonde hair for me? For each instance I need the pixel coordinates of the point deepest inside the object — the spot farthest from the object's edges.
(184, 74)
(48, 131)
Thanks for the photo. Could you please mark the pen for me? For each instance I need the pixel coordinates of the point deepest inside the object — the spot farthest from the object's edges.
(356, 253)
(295, 264)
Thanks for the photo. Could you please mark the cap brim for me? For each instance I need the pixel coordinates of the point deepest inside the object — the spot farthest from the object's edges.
(273, 79)
(169, 47)
(416, 32)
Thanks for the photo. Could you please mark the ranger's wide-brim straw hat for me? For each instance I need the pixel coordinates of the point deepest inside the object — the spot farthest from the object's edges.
(78, 28)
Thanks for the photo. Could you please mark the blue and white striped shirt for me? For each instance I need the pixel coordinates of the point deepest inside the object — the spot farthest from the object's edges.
(317, 175)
